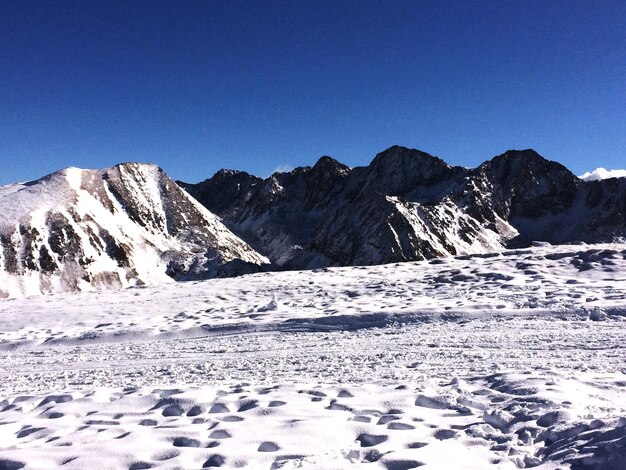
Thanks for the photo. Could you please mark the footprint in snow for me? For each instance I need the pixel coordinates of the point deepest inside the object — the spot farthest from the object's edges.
(402, 464)
(416, 445)
(55, 399)
(172, 410)
(220, 434)
(215, 460)
(231, 419)
(248, 405)
(185, 442)
(27, 432)
(371, 440)
(140, 466)
(443, 434)
(275, 403)
(166, 455)
(268, 447)
(400, 426)
(219, 408)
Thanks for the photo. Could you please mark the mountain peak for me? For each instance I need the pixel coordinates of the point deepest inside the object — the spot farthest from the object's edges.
(525, 153)
(328, 164)
(408, 160)
(400, 171)
(528, 186)
(528, 160)
(401, 151)
(137, 165)
(224, 172)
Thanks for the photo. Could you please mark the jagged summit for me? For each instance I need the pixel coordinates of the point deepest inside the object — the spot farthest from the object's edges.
(526, 160)
(410, 161)
(401, 152)
(224, 173)
(329, 164)
(410, 174)
(524, 153)
(526, 185)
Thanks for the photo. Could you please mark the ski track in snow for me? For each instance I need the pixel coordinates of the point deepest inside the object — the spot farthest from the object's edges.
(507, 360)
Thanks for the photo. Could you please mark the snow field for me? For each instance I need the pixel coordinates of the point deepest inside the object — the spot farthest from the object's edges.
(503, 361)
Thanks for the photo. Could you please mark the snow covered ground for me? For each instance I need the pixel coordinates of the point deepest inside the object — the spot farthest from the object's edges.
(507, 360)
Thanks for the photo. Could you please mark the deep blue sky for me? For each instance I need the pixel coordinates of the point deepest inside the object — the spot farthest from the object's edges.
(258, 85)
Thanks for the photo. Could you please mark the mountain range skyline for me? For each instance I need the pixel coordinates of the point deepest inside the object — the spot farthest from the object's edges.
(591, 174)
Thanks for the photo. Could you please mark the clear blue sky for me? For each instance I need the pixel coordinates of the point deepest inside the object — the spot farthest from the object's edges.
(258, 85)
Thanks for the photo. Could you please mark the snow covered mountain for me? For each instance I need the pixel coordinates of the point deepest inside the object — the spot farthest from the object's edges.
(408, 205)
(127, 225)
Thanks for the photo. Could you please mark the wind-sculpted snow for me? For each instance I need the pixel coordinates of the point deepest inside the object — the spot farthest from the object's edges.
(504, 361)
(124, 226)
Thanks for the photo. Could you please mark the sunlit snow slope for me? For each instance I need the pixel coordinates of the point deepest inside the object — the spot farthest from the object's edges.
(127, 225)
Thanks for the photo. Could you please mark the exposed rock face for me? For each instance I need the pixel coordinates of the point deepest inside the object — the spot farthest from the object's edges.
(409, 174)
(605, 207)
(128, 225)
(276, 215)
(408, 205)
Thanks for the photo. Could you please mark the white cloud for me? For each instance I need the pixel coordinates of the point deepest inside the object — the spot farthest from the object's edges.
(602, 174)
(284, 168)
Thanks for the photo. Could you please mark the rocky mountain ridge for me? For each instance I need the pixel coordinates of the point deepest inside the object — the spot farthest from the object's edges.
(408, 205)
